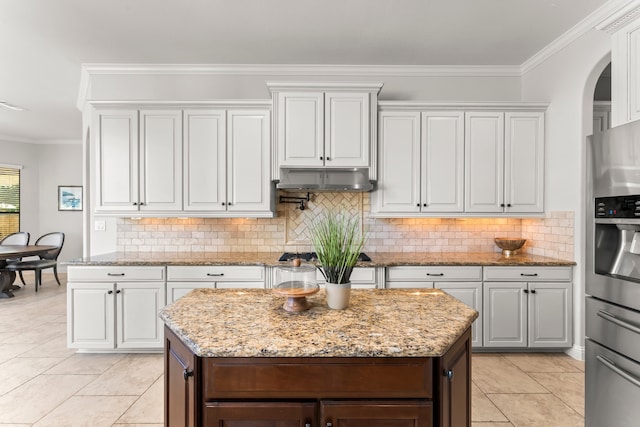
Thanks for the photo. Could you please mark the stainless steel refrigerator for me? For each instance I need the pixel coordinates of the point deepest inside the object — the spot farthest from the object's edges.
(613, 278)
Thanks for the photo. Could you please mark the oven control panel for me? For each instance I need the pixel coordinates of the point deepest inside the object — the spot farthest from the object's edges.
(618, 207)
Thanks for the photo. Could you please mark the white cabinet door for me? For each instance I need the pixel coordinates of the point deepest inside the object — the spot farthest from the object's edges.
(399, 163)
(505, 314)
(469, 293)
(116, 136)
(137, 307)
(550, 315)
(484, 161)
(301, 128)
(160, 160)
(205, 170)
(248, 177)
(90, 315)
(442, 162)
(346, 132)
(524, 162)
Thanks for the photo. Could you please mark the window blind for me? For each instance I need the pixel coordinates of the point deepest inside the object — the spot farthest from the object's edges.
(9, 200)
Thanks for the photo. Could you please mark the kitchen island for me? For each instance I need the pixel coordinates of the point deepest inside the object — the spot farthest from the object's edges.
(394, 357)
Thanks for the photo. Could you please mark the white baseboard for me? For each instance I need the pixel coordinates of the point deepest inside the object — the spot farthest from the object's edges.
(577, 352)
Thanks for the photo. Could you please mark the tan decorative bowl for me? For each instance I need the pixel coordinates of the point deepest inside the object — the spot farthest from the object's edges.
(508, 245)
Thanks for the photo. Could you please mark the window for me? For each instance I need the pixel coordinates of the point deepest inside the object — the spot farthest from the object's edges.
(9, 199)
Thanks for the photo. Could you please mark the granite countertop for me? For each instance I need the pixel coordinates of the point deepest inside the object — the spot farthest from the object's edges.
(377, 323)
(378, 259)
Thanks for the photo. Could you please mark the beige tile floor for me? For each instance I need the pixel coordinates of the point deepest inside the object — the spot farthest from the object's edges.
(42, 383)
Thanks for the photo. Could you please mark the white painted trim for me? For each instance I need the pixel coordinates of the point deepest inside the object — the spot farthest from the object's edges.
(84, 90)
(221, 103)
(5, 165)
(620, 17)
(577, 352)
(324, 86)
(608, 9)
(502, 106)
(305, 70)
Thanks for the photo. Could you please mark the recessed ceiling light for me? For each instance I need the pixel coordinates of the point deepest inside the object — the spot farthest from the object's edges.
(10, 106)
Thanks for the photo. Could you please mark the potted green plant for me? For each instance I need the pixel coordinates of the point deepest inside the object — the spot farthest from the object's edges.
(337, 241)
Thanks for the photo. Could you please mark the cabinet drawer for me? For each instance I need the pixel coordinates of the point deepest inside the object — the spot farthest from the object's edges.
(111, 274)
(527, 274)
(358, 275)
(433, 274)
(216, 273)
(285, 377)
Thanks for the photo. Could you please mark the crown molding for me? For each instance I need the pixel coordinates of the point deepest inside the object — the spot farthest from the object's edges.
(605, 11)
(301, 70)
(460, 106)
(620, 17)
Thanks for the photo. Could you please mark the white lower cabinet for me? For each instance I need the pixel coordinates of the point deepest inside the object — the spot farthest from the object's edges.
(529, 307)
(361, 278)
(182, 279)
(463, 283)
(110, 308)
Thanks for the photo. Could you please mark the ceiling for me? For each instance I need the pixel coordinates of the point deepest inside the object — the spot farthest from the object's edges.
(44, 43)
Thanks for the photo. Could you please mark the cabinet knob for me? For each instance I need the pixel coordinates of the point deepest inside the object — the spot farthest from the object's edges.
(141, 203)
(229, 203)
(502, 205)
(526, 291)
(329, 425)
(418, 205)
(118, 291)
(135, 203)
(109, 292)
(223, 204)
(449, 374)
(508, 205)
(321, 158)
(533, 291)
(186, 374)
(328, 158)
(424, 204)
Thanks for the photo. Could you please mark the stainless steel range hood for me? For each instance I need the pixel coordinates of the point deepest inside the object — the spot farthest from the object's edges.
(320, 179)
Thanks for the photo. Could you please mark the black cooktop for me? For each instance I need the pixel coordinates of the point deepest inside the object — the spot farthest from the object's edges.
(309, 256)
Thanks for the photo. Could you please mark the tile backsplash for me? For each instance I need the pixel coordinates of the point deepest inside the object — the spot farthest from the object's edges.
(551, 235)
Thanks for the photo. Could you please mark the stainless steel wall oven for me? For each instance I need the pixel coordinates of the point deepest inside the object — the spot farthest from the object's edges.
(613, 279)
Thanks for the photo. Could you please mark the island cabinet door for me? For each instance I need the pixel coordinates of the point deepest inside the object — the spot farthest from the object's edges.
(179, 378)
(372, 413)
(455, 385)
(263, 414)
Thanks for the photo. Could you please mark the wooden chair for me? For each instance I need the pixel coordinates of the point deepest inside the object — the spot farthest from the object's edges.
(47, 259)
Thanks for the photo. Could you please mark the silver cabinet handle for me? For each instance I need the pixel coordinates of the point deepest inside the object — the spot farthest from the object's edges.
(215, 274)
(115, 274)
(613, 319)
(624, 374)
(449, 374)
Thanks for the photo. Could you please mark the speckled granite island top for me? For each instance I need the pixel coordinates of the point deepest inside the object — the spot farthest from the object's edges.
(377, 323)
(378, 259)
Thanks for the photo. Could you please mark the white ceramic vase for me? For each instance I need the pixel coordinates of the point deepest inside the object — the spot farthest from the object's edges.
(338, 295)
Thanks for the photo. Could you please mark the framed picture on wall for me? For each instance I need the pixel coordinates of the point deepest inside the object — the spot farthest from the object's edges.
(69, 197)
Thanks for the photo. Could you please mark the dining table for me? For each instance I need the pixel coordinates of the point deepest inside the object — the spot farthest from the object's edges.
(10, 252)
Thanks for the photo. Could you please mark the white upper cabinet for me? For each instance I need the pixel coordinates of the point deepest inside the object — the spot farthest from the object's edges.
(325, 125)
(116, 146)
(442, 162)
(205, 136)
(171, 162)
(399, 165)
(248, 183)
(347, 121)
(484, 152)
(504, 156)
(421, 166)
(227, 162)
(139, 160)
(300, 129)
(160, 160)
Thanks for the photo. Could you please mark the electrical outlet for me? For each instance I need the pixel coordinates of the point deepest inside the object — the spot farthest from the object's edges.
(100, 225)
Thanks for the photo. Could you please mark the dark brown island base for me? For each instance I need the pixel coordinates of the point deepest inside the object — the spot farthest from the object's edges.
(394, 358)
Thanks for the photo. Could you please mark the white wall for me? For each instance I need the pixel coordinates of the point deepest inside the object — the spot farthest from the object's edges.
(561, 80)
(45, 166)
